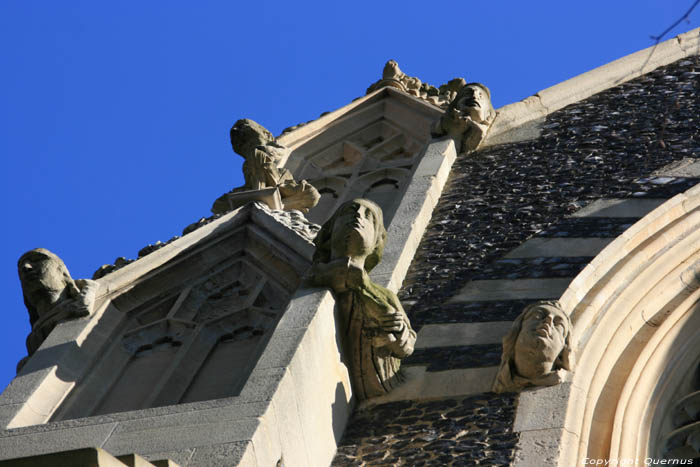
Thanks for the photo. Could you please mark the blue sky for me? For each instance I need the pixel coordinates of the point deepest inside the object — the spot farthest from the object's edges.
(115, 115)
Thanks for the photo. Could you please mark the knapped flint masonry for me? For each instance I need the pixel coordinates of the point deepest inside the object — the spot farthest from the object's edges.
(376, 330)
(567, 223)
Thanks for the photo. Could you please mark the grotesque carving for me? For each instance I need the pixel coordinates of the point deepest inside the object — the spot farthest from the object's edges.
(261, 170)
(537, 350)
(50, 294)
(392, 76)
(377, 332)
(468, 117)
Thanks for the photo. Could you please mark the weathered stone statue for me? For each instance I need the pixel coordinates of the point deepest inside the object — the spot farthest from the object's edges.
(50, 294)
(468, 117)
(377, 332)
(261, 171)
(537, 351)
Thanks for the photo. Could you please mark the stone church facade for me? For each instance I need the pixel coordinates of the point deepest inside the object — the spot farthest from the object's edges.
(271, 333)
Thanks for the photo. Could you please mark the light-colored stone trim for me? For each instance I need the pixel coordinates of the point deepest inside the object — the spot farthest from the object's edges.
(539, 247)
(511, 289)
(421, 384)
(456, 334)
(635, 333)
(620, 207)
(576, 89)
(295, 138)
(414, 213)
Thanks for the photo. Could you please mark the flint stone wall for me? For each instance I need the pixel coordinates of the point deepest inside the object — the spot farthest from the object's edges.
(607, 146)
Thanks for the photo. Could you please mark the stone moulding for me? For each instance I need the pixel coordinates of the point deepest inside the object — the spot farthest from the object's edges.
(292, 406)
(392, 76)
(635, 329)
(32, 386)
(513, 116)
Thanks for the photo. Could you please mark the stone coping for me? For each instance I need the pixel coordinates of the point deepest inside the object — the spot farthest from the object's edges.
(540, 104)
(575, 89)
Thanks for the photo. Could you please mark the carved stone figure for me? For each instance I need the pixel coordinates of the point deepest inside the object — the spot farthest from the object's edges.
(261, 170)
(392, 76)
(377, 332)
(537, 351)
(50, 294)
(468, 117)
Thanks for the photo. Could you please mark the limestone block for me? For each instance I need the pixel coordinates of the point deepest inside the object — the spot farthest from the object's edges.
(420, 384)
(542, 447)
(134, 460)
(225, 455)
(619, 208)
(455, 334)
(542, 408)
(156, 436)
(36, 442)
(562, 247)
(507, 289)
(86, 457)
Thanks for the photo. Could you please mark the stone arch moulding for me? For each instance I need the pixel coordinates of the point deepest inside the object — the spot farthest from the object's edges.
(636, 326)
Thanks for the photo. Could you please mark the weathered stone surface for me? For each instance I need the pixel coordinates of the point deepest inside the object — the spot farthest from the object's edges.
(560, 247)
(468, 117)
(295, 221)
(439, 97)
(537, 351)
(619, 208)
(87, 457)
(51, 295)
(376, 330)
(261, 170)
(447, 335)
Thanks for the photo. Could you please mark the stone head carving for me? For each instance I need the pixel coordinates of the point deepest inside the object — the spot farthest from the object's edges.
(50, 294)
(376, 331)
(356, 231)
(246, 135)
(265, 180)
(468, 116)
(537, 351)
(45, 281)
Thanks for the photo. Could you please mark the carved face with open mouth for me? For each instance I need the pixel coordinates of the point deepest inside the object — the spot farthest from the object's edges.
(474, 102)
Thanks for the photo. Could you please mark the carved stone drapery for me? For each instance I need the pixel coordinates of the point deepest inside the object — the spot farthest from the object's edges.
(537, 350)
(376, 330)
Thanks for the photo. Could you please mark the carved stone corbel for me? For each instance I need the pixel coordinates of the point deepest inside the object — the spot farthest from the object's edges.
(376, 330)
(537, 351)
(468, 117)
